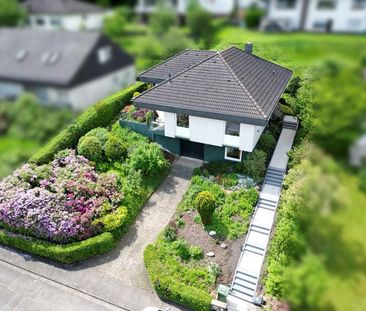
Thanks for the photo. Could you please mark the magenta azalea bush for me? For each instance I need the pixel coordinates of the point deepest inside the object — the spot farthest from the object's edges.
(58, 201)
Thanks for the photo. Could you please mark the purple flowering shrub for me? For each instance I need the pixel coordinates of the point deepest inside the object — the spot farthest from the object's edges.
(58, 201)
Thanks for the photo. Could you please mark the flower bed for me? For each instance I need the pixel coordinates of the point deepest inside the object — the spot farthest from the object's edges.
(78, 205)
(178, 264)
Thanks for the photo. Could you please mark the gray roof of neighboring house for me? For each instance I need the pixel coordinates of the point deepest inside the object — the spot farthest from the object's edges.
(58, 58)
(230, 85)
(174, 65)
(60, 7)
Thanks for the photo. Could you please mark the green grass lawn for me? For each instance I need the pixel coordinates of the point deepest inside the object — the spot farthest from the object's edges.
(295, 50)
(14, 152)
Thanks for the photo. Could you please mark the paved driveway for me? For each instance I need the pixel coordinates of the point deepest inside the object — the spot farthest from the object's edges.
(119, 277)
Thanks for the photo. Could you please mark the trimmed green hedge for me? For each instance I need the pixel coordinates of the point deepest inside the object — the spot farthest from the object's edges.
(99, 115)
(167, 286)
(67, 253)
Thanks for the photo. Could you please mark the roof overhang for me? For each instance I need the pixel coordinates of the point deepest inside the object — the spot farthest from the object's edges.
(202, 114)
(150, 80)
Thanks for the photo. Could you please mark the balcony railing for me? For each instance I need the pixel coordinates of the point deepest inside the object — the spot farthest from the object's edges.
(157, 126)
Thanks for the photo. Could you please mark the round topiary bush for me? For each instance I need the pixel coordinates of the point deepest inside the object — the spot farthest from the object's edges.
(91, 148)
(100, 132)
(205, 203)
(114, 149)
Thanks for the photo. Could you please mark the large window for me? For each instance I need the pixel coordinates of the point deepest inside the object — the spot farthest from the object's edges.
(183, 120)
(233, 154)
(286, 4)
(232, 129)
(327, 4)
(359, 4)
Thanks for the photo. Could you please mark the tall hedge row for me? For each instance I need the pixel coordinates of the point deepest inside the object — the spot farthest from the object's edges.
(99, 115)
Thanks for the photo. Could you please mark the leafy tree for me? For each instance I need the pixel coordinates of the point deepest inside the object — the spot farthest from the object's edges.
(293, 86)
(30, 120)
(253, 16)
(114, 25)
(200, 24)
(163, 19)
(175, 41)
(205, 203)
(11, 13)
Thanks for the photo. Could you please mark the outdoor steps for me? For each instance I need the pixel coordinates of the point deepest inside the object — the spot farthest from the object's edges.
(244, 286)
(274, 177)
(248, 271)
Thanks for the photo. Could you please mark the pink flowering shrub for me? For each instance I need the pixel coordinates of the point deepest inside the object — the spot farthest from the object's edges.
(58, 201)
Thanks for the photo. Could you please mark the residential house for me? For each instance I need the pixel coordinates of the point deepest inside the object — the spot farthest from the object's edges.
(212, 105)
(62, 68)
(72, 15)
(316, 15)
(216, 7)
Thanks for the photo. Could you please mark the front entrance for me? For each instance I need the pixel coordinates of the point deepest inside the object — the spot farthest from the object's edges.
(191, 149)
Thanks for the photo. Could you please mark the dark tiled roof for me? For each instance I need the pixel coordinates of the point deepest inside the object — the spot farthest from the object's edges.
(60, 7)
(26, 56)
(173, 65)
(230, 85)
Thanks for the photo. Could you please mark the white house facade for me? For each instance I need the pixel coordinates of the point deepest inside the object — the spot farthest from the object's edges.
(70, 15)
(74, 69)
(317, 15)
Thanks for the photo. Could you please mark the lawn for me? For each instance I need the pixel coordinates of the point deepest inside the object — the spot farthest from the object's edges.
(14, 151)
(298, 50)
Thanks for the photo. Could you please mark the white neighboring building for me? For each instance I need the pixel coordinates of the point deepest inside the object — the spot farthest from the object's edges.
(74, 69)
(71, 15)
(357, 154)
(216, 7)
(317, 15)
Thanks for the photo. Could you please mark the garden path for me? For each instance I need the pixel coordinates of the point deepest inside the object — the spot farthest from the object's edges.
(247, 275)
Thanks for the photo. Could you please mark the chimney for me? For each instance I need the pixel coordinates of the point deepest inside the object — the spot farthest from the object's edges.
(249, 47)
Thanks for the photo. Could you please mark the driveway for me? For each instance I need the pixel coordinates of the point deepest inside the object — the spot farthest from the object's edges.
(119, 277)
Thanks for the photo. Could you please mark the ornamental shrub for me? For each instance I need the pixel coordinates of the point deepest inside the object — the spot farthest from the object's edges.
(253, 16)
(114, 149)
(148, 158)
(267, 143)
(91, 148)
(196, 252)
(205, 203)
(100, 132)
(181, 248)
(169, 234)
(255, 165)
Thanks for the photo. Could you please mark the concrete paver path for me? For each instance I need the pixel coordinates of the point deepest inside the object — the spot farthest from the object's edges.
(125, 262)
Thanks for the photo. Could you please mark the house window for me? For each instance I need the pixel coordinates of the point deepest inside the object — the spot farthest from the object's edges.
(327, 4)
(55, 21)
(358, 4)
(183, 120)
(286, 4)
(104, 54)
(233, 154)
(40, 21)
(232, 129)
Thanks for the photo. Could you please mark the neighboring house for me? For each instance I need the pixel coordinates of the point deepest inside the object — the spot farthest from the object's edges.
(212, 105)
(72, 15)
(216, 7)
(357, 154)
(316, 15)
(62, 68)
